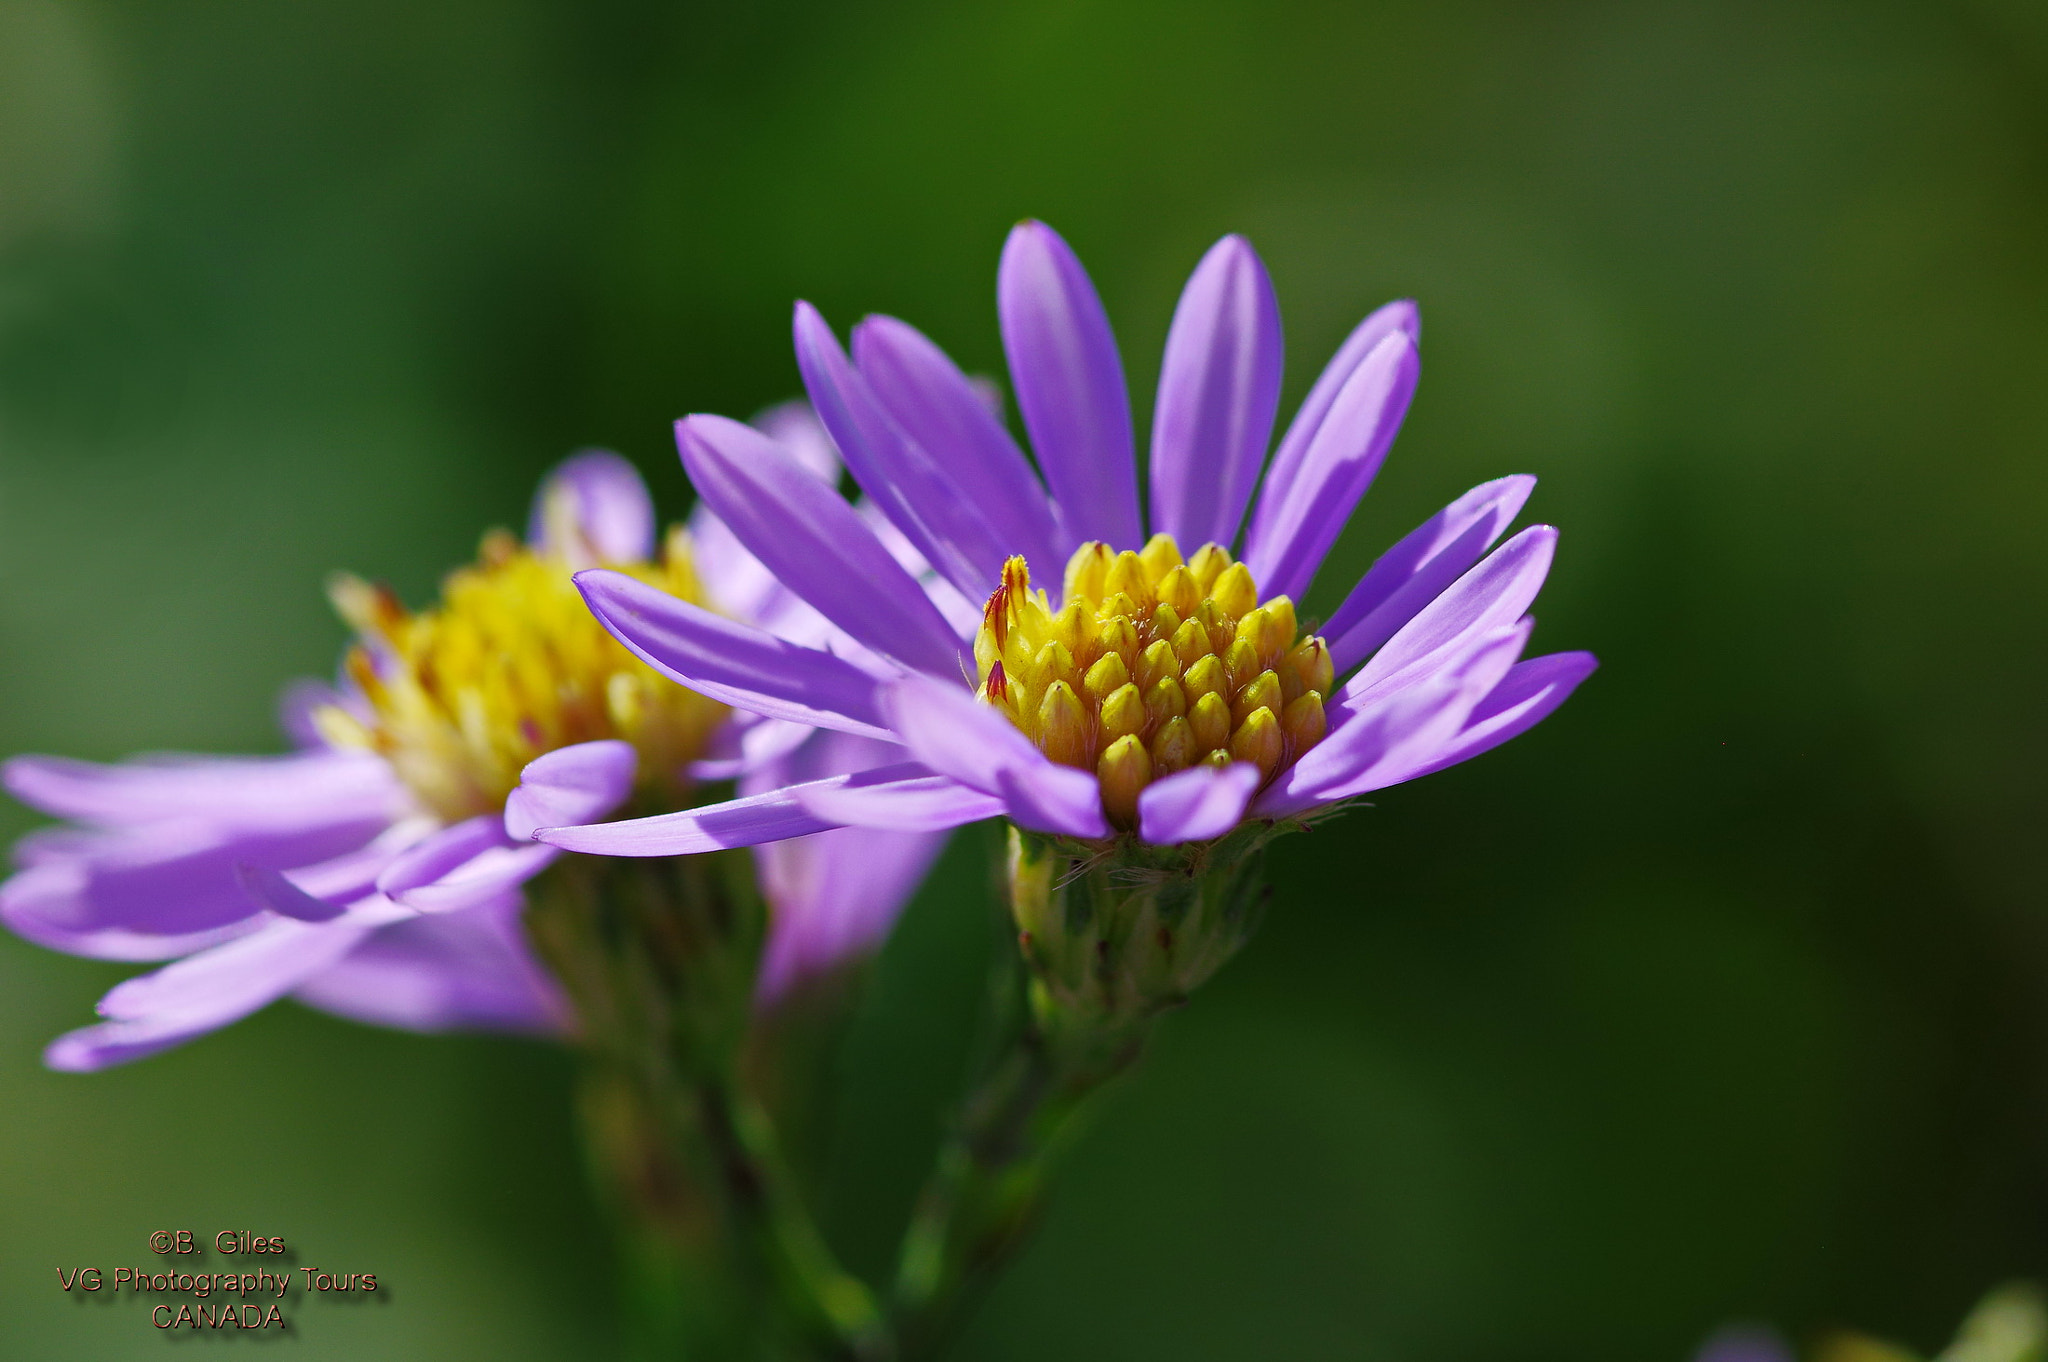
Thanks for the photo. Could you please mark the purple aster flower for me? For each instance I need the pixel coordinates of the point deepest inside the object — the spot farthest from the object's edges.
(376, 872)
(1114, 686)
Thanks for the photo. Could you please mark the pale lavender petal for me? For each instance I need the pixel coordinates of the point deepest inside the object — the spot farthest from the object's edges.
(1219, 386)
(744, 822)
(1493, 594)
(1399, 316)
(593, 509)
(1386, 740)
(814, 542)
(907, 481)
(576, 784)
(1524, 698)
(960, 612)
(919, 803)
(1415, 571)
(463, 866)
(320, 787)
(796, 427)
(168, 877)
(227, 982)
(1069, 383)
(954, 734)
(92, 1048)
(1051, 798)
(940, 408)
(271, 890)
(1196, 805)
(736, 663)
(1303, 509)
(463, 971)
(103, 943)
(739, 747)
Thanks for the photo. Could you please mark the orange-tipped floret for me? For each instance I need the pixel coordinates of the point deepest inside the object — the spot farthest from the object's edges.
(1151, 663)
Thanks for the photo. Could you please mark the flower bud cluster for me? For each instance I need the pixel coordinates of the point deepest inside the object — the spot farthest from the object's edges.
(1151, 664)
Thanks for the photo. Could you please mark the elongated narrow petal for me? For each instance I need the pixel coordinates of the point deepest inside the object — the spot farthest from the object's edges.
(319, 787)
(1487, 597)
(1401, 316)
(111, 943)
(1529, 693)
(1383, 742)
(462, 866)
(1197, 804)
(278, 894)
(1069, 382)
(815, 543)
(1301, 512)
(955, 735)
(920, 496)
(1415, 571)
(578, 784)
(169, 876)
(230, 981)
(1219, 386)
(941, 409)
(749, 821)
(593, 509)
(745, 667)
(443, 972)
(915, 803)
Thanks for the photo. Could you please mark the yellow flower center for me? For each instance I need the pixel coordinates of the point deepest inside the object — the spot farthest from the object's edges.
(508, 666)
(1152, 664)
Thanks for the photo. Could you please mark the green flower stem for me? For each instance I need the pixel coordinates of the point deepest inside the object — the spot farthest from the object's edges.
(721, 1256)
(1112, 936)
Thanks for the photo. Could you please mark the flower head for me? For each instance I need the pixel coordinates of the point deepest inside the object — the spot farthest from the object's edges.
(1169, 691)
(377, 871)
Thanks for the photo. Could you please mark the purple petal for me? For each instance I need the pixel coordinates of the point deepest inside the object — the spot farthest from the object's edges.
(463, 971)
(814, 542)
(1415, 571)
(321, 787)
(104, 943)
(577, 784)
(948, 527)
(956, 735)
(1485, 598)
(918, 803)
(1399, 316)
(462, 866)
(1387, 740)
(1196, 805)
(1055, 799)
(593, 509)
(301, 700)
(273, 891)
(939, 407)
(1219, 386)
(796, 427)
(231, 981)
(1303, 508)
(738, 747)
(1070, 384)
(1523, 699)
(745, 822)
(1744, 1344)
(169, 877)
(834, 897)
(736, 663)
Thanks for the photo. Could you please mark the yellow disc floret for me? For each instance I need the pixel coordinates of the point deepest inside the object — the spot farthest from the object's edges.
(1150, 664)
(508, 666)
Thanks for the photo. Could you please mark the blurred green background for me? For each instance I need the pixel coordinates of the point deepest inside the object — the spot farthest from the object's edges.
(1720, 996)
